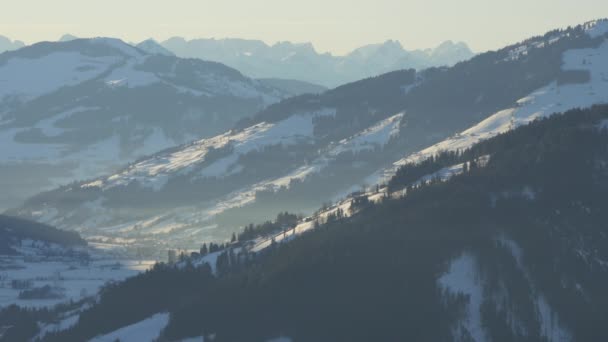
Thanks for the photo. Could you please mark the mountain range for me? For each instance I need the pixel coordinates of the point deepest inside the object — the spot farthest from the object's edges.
(80, 107)
(453, 203)
(7, 45)
(302, 62)
(299, 153)
(299, 61)
(512, 248)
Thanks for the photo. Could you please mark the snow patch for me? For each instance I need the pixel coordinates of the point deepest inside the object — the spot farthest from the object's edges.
(376, 136)
(597, 28)
(146, 330)
(155, 172)
(28, 78)
(462, 278)
(549, 321)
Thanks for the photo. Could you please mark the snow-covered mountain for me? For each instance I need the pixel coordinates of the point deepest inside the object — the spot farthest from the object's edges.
(78, 108)
(154, 48)
(67, 37)
(7, 45)
(300, 61)
(512, 249)
(301, 152)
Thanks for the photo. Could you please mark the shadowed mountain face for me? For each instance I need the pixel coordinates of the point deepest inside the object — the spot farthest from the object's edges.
(301, 61)
(73, 109)
(301, 152)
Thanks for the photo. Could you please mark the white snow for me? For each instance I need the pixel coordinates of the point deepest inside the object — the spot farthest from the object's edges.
(597, 28)
(146, 330)
(280, 237)
(549, 321)
(376, 136)
(75, 278)
(155, 172)
(128, 75)
(543, 102)
(29, 78)
(26, 78)
(462, 278)
(61, 325)
(443, 174)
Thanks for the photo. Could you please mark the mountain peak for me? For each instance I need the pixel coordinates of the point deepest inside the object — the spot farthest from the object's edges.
(67, 37)
(7, 45)
(152, 47)
(116, 44)
(448, 49)
(393, 44)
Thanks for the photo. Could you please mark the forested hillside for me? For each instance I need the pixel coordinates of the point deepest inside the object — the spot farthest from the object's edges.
(13, 229)
(306, 150)
(512, 249)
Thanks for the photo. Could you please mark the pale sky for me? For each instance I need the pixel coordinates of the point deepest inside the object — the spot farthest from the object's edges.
(336, 26)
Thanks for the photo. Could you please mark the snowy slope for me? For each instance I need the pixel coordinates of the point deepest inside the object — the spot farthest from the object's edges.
(155, 172)
(79, 108)
(182, 223)
(146, 330)
(462, 278)
(73, 273)
(553, 98)
(27, 78)
(153, 47)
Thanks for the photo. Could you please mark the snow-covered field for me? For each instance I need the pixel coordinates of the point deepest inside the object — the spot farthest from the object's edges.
(73, 277)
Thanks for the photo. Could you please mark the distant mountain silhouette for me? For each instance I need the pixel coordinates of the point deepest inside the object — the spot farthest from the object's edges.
(67, 37)
(151, 46)
(7, 45)
(301, 61)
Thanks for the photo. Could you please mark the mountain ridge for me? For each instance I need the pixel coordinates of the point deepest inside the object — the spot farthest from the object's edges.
(258, 59)
(79, 107)
(475, 268)
(328, 145)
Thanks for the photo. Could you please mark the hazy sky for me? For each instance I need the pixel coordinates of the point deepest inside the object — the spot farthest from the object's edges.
(331, 25)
